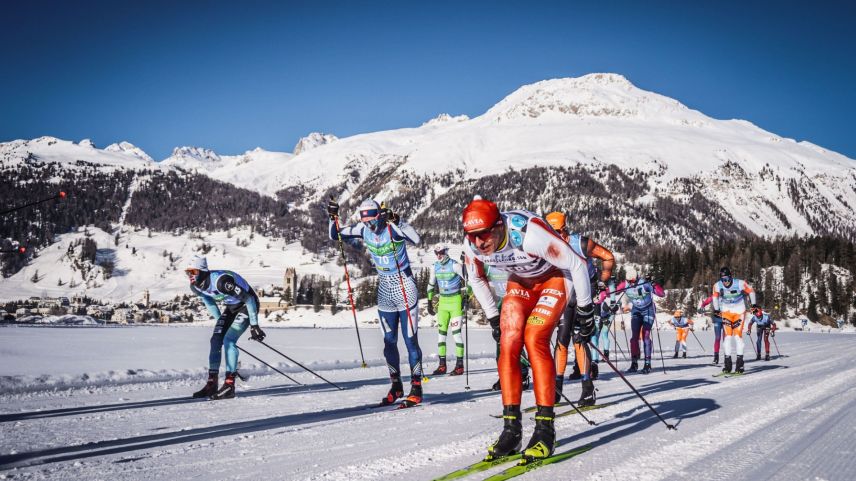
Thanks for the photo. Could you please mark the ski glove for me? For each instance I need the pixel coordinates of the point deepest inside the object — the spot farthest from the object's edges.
(494, 323)
(431, 310)
(257, 334)
(393, 217)
(585, 324)
(333, 209)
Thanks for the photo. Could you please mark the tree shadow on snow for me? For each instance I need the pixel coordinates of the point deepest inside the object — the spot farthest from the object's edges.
(319, 386)
(137, 443)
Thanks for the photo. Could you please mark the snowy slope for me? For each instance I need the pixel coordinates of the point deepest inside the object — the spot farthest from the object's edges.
(790, 418)
(50, 149)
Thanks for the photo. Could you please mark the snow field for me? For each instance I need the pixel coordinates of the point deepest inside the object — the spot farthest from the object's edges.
(790, 418)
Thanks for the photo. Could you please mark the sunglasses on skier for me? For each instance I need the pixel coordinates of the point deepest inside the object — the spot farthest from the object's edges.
(482, 236)
(192, 272)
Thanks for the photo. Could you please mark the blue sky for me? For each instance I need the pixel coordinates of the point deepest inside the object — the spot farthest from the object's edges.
(237, 75)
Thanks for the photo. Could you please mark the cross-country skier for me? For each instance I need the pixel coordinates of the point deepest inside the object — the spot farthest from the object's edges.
(603, 322)
(447, 277)
(683, 326)
(498, 281)
(589, 250)
(544, 272)
(241, 304)
(729, 299)
(384, 236)
(766, 327)
(639, 302)
(717, 325)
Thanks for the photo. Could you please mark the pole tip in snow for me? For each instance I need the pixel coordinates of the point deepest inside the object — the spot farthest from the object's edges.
(365, 365)
(671, 427)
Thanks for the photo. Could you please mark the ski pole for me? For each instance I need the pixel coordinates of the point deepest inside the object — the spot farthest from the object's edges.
(609, 293)
(466, 325)
(662, 359)
(670, 426)
(755, 349)
(699, 341)
(350, 291)
(615, 340)
(301, 365)
(266, 364)
(591, 423)
(776, 344)
(60, 195)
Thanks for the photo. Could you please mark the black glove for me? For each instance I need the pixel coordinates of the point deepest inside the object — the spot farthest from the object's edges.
(333, 209)
(614, 308)
(584, 327)
(755, 306)
(393, 217)
(257, 334)
(494, 323)
(717, 313)
(431, 309)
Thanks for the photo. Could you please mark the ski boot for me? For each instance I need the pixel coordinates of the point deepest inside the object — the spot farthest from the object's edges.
(739, 366)
(210, 388)
(767, 357)
(727, 362)
(227, 391)
(595, 372)
(395, 392)
(758, 356)
(676, 355)
(559, 386)
(576, 374)
(715, 358)
(647, 367)
(587, 398)
(414, 397)
(511, 438)
(685, 355)
(634, 366)
(459, 368)
(543, 438)
(496, 386)
(606, 355)
(441, 369)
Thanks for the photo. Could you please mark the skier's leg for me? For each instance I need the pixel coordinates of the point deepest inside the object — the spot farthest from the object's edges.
(647, 325)
(411, 341)
(442, 331)
(635, 330)
(766, 341)
(516, 305)
(224, 322)
(759, 334)
(563, 339)
(717, 332)
(456, 310)
(389, 326)
(230, 342)
(540, 322)
(738, 332)
(595, 339)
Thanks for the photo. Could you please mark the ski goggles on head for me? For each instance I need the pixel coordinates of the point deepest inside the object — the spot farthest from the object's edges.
(440, 252)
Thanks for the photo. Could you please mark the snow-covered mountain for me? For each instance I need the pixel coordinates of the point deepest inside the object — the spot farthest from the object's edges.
(632, 166)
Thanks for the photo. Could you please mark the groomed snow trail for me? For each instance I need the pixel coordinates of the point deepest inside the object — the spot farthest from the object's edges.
(790, 418)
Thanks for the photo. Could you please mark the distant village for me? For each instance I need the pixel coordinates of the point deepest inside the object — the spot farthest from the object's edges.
(275, 301)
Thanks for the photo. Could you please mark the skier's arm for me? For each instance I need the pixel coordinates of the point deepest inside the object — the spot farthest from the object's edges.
(432, 283)
(715, 298)
(458, 269)
(747, 289)
(227, 285)
(542, 241)
(479, 283)
(404, 231)
(607, 264)
(352, 234)
(209, 303)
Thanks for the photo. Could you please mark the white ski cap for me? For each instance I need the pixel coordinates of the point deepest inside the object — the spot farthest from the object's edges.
(630, 273)
(197, 262)
(440, 247)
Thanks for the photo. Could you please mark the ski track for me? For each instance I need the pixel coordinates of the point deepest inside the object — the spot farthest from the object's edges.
(791, 418)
